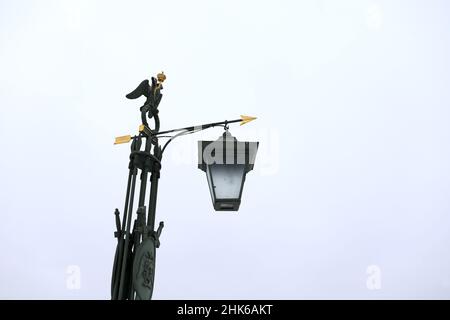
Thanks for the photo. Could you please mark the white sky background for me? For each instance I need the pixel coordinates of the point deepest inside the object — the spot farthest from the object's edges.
(353, 171)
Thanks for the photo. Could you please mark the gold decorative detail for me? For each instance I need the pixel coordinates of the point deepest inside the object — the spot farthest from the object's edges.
(246, 119)
(161, 77)
(122, 139)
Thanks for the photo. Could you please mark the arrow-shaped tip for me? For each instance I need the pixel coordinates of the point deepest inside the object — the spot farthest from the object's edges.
(122, 139)
(246, 119)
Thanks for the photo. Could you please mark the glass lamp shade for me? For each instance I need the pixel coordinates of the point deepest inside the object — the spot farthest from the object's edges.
(225, 185)
(226, 163)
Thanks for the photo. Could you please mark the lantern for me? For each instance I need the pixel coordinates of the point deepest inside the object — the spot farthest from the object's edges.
(226, 162)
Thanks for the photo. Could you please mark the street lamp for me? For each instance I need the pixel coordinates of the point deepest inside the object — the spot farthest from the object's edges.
(225, 161)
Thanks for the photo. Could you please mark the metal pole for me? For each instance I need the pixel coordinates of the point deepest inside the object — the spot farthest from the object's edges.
(153, 189)
(139, 222)
(120, 238)
(144, 177)
(152, 201)
(127, 239)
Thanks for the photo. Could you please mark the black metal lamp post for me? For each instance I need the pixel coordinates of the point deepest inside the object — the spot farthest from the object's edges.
(225, 161)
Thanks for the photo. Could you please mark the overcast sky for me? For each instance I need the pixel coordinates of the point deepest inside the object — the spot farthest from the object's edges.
(349, 197)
